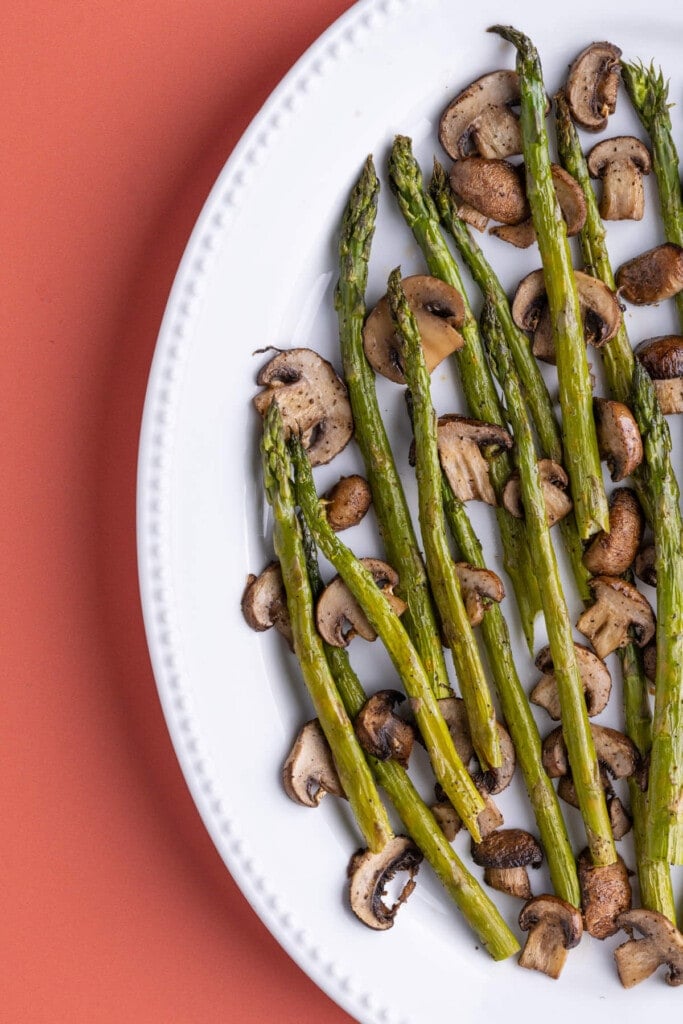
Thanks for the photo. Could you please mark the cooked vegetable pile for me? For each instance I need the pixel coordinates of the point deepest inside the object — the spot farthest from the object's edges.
(435, 591)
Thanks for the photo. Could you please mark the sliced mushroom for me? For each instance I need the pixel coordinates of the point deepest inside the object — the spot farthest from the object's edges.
(439, 310)
(619, 615)
(480, 588)
(572, 204)
(554, 927)
(663, 359)
(461, 441)
(312, 400)
(620, 820)
(613, 553)
(480, 120)
(592, 85)
(382, 733)
(595, 676)
(264, 602)
(650, 663)
(599, 308)
(369, 873)
(619, 817)
(615, 752)
(653, 276)
(645, 565)
(489, 782)
(309, 771)
(605, 894)
(447, 818)
(661, 945)
(505, 856)
(621, 163)
(471, 216)
(338, 615)
(555, 487)
(493, 187)
(347, 502)
(619, 439)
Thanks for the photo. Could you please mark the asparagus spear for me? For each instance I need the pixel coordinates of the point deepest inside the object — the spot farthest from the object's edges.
(576, 728)
(480, 392)
(649, 94)
(518, 717)
(389, 500)
(352, 767)
(448, 768)
(481, 715)
(537, 396)
(665, 787)
(474, 903)
(576, 398)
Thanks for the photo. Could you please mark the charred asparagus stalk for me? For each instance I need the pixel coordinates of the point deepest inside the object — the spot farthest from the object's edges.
(576, 397)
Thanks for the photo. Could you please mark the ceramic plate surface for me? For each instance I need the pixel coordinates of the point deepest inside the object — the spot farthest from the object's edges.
(260, 270)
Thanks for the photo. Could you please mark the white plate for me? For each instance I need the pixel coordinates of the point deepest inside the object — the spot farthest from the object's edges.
(259, 270)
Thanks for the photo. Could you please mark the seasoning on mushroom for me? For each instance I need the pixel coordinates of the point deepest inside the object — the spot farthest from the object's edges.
(505, 856)
(555, 487)
(347, 502)
(620, 614)
(605, 894)
(572, 206)
(613, 553)
(338, 615)
(495, 188)
(369, 874)
(309, 771)
(264, 602)
(614, 751)
(461, 441)
(653, 276)
(621, 163)
(381, 732)
(661, 946)
(480, 120)
(592, 85)
(619, 439)
(480, 588)
(595, 676)
(553, 927)
(439, 310)
(663, 359)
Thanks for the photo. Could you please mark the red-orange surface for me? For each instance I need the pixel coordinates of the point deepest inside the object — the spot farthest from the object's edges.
(116, 118)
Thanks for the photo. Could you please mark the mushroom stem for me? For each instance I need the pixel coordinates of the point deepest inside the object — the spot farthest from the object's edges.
(542, 952)
(441, 569)
(421, 216)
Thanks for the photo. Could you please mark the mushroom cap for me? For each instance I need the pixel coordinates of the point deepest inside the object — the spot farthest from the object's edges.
(551, 910)
(555, 487)
(653, 276)
(662, 357)
(644, 566)
(507, 848)
(460, 441)
(595, 676)
(662, 944)
(599, 308)
(605, 894)
(382, 733)
(615, 752)
(309, 771)
(489, 782)
(620, 614)
(480, 587)
(312, 400)
(439, 310)
(369, 874)
(479, 121)
(592, 85)
(620, 149)
(493, 187)
(572, 204)
(347, 502)
(613, 553)
(338, 615)
(264, 602)
(619, 439)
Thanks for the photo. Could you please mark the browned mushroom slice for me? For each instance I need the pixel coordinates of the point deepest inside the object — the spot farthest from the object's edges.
(619, 615)
(382, 733)
(621, 163)
(439, 310)
(595, 676)
(480, 120)
(661, 945)
(480, 588)
(447, 818)
(619, 439)
(505, 856)
(554, 927)
(605, 894)
(615, 752)
(650, 663)
(613, 553)
(645, 565)
(471, 216)
(347, 502)
(461, 441)
(663, 359)
(592, 85)
(572, 204)
(338, 615)
(653, 276)
(369, 873)
(493, 187)
(264, 602)
(494, 780)
(620, 820)
(312, 400)
(555, 487)
(599, 308)
(309, 771)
